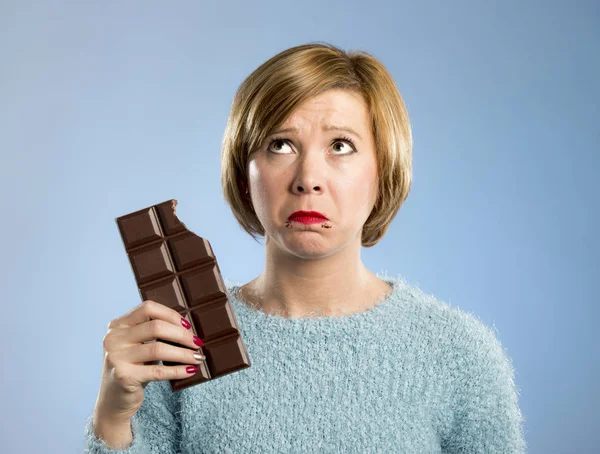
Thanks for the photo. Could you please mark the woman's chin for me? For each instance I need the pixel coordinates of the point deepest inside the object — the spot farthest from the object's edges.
(308, 246)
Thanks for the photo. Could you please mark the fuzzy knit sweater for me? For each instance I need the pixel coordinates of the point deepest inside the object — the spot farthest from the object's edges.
(410, 375)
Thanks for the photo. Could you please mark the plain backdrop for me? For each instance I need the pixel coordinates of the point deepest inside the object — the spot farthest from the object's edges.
(110, 107)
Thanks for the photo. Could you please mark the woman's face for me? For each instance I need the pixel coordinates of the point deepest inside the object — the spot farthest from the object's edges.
(315, 169)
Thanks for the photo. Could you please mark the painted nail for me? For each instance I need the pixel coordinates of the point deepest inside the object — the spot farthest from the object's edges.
(191, 369)
(198, 341)
(185, 323)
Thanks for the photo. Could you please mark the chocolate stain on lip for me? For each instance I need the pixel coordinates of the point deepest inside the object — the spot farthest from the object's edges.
(323, 226)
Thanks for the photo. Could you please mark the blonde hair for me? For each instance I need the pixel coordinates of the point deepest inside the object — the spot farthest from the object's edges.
(276, 88)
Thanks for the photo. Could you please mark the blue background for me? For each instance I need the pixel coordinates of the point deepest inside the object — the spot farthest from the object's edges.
(109, 107)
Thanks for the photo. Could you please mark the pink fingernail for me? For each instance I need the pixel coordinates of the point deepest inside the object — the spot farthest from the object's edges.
(191, 369)
(198, 341)
(185, 323)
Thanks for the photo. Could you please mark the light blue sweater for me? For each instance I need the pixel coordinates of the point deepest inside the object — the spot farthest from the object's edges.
(411, 375)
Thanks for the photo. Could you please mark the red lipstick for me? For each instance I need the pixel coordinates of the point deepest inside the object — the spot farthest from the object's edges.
(307, 217)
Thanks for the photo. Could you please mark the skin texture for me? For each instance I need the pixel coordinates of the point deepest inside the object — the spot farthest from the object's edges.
(316, 270)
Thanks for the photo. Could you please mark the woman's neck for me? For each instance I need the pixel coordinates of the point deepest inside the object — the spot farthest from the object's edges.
(295, 287)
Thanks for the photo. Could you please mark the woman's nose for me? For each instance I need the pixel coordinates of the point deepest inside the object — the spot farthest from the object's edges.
(308, 180)
(309, 174)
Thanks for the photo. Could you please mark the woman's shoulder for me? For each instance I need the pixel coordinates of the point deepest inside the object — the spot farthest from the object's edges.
(459, 323)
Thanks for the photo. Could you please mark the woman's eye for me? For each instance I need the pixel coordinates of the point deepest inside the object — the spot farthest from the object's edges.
(349, 149)
(276, 141)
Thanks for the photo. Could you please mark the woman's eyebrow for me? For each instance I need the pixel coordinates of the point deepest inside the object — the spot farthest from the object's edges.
(325, 128)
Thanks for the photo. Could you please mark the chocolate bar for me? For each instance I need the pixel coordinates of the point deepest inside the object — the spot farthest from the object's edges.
(177, 268)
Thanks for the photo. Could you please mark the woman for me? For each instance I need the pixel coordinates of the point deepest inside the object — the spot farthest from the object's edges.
(317, 159)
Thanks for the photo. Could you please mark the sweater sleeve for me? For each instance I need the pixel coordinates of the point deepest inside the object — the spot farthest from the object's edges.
(487, 417)
(155, 427)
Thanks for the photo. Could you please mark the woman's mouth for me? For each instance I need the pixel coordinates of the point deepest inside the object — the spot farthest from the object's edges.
(307, 217)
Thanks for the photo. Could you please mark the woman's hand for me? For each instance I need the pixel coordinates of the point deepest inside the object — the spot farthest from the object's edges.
(131, 358)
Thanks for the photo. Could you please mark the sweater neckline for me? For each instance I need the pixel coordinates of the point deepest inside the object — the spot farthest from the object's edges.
(249, 311)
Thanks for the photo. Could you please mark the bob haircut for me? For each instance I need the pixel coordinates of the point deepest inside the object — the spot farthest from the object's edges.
(275, 89)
